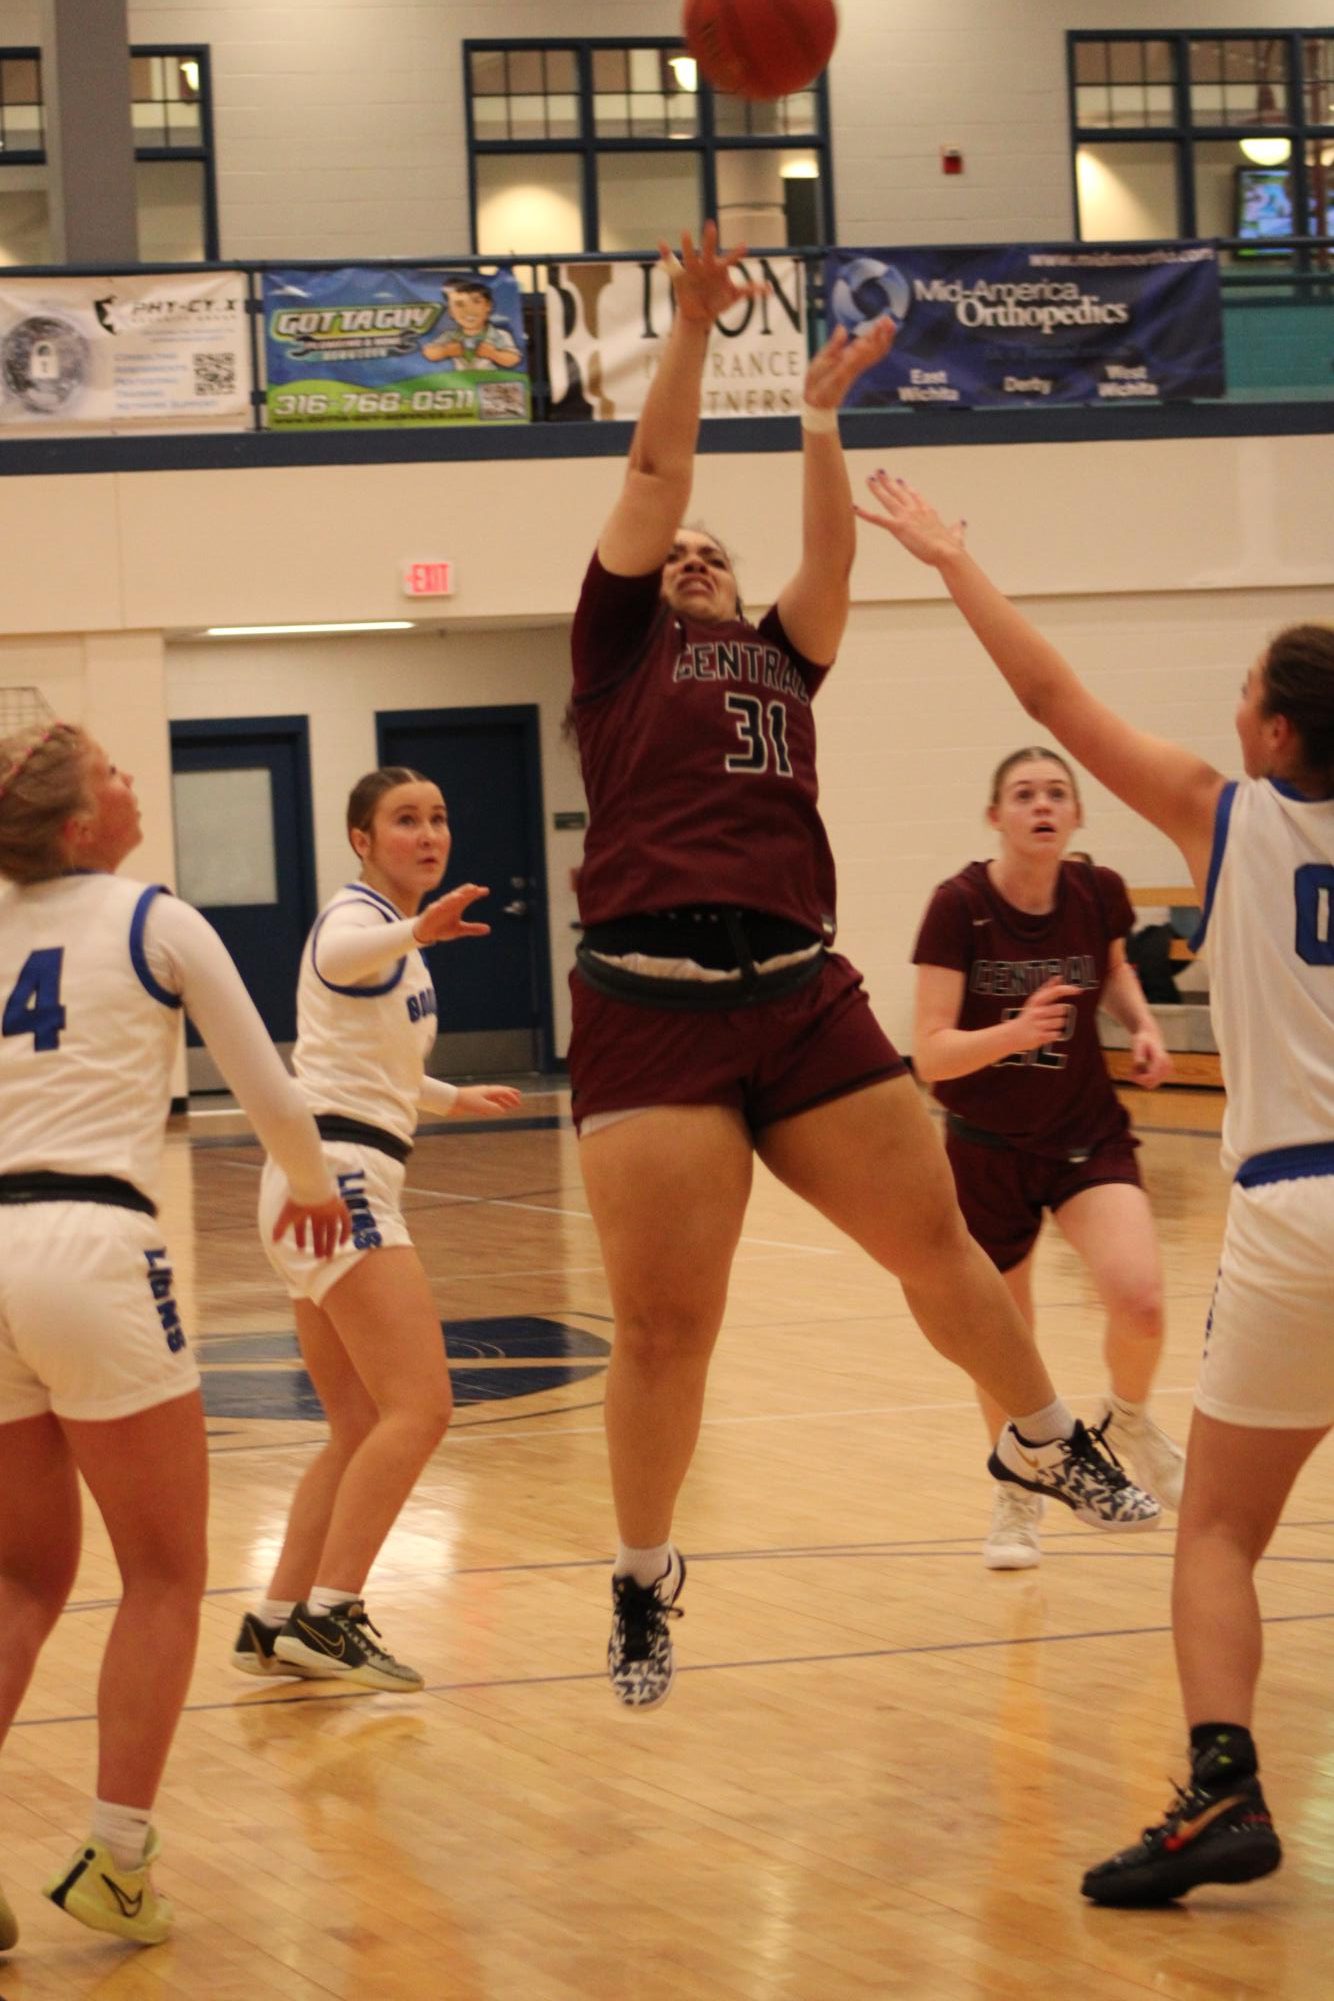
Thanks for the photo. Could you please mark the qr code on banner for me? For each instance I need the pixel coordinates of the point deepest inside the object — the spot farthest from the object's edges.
(501, 399)
(215, 374)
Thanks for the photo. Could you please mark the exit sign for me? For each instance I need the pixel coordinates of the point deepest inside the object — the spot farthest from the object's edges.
(428, 580)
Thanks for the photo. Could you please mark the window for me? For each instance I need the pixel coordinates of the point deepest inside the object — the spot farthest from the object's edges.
(171, 112)
(1202, 133)
(608, 145)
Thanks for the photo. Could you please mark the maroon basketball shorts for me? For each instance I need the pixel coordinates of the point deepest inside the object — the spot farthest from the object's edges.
(1003, 1190)
(770, 1060)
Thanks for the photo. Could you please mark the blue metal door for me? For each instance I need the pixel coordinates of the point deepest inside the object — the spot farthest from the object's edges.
(245, 855)
(494, 993)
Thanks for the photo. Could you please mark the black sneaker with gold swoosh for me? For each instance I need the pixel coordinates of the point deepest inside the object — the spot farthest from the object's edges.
(340, 1645)
(1218, 1832)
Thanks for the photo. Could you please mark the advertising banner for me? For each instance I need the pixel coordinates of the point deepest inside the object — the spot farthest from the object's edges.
(606, 324)
(366, 347)
(95, 356)
(1088, 323)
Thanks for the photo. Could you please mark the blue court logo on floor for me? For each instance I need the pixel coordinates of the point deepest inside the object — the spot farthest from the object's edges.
(490, 1361)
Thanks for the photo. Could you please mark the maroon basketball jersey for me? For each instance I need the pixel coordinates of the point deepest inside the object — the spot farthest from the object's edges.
(698, 752)
(1058, 1098)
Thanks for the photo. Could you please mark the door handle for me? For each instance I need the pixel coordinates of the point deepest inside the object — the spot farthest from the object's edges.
(516, 909)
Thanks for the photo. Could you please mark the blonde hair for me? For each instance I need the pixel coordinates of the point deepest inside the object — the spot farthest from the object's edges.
(43, 781)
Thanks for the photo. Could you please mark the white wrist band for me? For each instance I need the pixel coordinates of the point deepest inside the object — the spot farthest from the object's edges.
(813, 419)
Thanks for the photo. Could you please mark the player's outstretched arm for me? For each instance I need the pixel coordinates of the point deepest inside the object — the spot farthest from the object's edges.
(1168, 784)
(814, 605)
(638, 532)
(197, 965)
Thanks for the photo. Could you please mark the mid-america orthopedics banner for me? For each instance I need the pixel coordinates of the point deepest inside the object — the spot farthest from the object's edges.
(606, 324)
(107, 355)
(367, 347)
(1084, 323)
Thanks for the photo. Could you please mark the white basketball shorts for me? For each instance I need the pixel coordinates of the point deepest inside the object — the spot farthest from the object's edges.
(1269, 1344)
(89, 1327)
(371, 1184)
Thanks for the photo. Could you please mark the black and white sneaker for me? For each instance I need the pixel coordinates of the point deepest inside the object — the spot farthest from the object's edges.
(253, 1652)
(1214, 1833)
(338, 1646)
(639, 1652)
(1079, 1471)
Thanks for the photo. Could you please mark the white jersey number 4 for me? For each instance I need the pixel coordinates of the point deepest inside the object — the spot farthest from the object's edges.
(34, 1008)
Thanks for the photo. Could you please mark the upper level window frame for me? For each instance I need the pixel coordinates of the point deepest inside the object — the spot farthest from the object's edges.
(202, 151)
(705, 143)
(1185, 131)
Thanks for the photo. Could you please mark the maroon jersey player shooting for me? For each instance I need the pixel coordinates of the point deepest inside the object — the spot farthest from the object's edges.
(711, 1021)
(1014, 957)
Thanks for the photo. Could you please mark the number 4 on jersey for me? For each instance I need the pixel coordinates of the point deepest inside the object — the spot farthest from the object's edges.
(34, 1008)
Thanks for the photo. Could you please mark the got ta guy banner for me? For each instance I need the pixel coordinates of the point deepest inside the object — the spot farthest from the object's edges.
(365, 347)
(1134, 323)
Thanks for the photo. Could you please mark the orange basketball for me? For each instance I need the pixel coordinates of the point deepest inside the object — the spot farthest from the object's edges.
(760, 48)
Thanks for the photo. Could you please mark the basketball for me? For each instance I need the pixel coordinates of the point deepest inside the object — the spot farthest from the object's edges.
(760, 48)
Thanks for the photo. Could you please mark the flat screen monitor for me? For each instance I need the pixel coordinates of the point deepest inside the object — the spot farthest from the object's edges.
(1264, 209)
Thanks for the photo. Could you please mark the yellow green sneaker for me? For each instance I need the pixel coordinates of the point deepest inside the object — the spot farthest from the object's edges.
(9, 1925)
(109, 1899)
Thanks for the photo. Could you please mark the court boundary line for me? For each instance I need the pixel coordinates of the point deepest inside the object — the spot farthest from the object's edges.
(339, 1694)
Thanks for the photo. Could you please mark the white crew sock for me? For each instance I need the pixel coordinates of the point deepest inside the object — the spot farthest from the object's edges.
(646, 1566)
(1041, 1427)
(324, 1599)
(1123, 1407)
(275, 1611)
(122, 1831)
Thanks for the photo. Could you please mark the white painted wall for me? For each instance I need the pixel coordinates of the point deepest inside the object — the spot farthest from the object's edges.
(1161, 567)
(340, 125)
(340, 684)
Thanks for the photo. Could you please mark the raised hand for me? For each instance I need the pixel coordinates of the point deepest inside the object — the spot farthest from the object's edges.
(1044, 1016)
(912, 521)
(444, 918)
(329, 1222)
(703, 279)
(832, 372)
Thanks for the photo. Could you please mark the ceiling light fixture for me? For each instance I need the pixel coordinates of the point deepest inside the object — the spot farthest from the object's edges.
(284, 631)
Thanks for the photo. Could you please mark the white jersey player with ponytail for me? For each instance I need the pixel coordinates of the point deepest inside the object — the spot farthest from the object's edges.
(96, 1375)
(367, 1323)
(1261, 853)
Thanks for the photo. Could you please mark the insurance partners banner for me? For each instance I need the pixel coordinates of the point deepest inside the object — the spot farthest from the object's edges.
(95, 356)
(606, 324)
(368, 348)
(1136, 323)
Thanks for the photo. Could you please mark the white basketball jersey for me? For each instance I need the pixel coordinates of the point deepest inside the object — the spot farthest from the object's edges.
(361, 1050)
(1269, 915)
(88, 1033)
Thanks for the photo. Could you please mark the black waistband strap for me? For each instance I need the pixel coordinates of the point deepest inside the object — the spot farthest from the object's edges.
(356, 1132)
(713, 935)
(979, 1135)
(105, 1188)
(695, 996)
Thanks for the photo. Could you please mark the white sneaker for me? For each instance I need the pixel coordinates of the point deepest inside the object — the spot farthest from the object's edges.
(1080, 1472)
(1012, 1541)
(1157, 1461)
